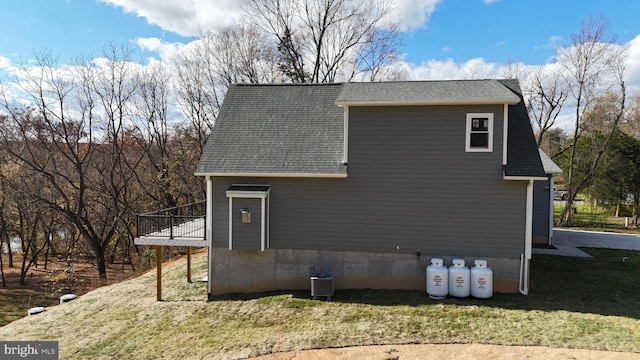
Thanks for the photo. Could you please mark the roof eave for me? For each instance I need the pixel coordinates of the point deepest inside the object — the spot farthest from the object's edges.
(509, 101)
(271, 175)
(523, 177)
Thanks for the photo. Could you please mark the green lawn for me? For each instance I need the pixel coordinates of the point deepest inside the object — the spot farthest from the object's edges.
(589, 217)
(12, 305)
(588, 303)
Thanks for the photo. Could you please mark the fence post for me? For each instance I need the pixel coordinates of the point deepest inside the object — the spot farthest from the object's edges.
(189, 264)
(171, 226)
(159, 261)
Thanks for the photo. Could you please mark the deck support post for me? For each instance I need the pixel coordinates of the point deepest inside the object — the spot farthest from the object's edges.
(189, 264)
(159, 272)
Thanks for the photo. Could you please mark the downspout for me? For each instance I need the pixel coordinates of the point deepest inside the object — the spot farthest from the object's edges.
(505, 134)
(345, 158)
(551, 187)
(524, 276)
(526, 257)
(208, 233)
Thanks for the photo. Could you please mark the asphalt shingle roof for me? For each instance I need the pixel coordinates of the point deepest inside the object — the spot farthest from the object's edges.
(298, 128)
(523, 159)
(550, 167)
(277, 129)
(425, 92)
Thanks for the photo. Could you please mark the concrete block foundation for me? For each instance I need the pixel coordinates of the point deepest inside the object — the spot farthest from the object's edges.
(234, 271)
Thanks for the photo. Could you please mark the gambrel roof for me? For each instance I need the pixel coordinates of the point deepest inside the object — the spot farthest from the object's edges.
(298, 129)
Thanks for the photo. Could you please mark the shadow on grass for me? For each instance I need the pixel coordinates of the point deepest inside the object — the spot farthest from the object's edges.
(606, 284)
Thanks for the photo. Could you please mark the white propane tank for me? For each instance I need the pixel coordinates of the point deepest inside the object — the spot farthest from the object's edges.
(437, 279)
(481, 280)
(458, 279)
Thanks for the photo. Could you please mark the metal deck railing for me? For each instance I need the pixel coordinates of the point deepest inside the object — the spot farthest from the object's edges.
(185, 221)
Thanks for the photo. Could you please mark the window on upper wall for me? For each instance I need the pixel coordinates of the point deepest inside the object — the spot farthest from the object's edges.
(479, 136)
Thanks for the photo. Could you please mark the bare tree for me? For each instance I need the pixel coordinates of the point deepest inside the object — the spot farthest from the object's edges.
(514, 69)
(5, 237)
(72, 138)
(113, 88)
(198, 96)
(152, 135)
(240, 54)
(328, 41)
(546, 98)
(378, 57)
(591, 66)
(631, 124)
(237, 54)
(23, 216)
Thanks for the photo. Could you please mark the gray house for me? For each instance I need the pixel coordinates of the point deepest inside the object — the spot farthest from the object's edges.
(543, 202)
(368, 181)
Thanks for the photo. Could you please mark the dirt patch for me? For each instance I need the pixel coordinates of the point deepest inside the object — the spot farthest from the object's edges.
(44, 286)
(448, 351)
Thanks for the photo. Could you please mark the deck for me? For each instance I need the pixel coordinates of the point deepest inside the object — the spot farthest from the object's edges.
(179, 226)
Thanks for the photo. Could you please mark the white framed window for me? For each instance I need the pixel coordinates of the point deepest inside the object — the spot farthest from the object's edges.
(479, 132)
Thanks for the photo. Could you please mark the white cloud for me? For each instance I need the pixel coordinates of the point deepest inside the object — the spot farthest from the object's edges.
(414, 14)
(489, 2)
(5, 63)
(186, 18)
(439, 69)
(190, 18)
(165, 49)
(553, 43)
(478, 68)
(633, 64)
(448, 69)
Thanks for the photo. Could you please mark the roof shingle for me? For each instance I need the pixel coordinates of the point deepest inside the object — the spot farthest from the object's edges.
(427, 92)
(298, 129)
(277, 129)
(523, 159)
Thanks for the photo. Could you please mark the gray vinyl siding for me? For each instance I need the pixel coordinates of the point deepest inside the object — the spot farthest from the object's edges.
(246, 236)
(410, 186)
(541, 208)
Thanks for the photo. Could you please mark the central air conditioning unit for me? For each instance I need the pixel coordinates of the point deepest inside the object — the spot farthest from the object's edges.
(322, 285)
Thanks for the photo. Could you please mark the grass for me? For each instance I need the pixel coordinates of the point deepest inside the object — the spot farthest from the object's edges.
(12, 305)
(44, 286)
(589, 217)
(583, 303)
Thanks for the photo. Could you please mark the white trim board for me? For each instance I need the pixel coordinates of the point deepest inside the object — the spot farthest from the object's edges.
(250, 194)
(274, 175)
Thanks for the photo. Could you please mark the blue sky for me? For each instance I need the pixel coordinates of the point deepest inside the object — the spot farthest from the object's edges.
(513, 29)
(70, 28)
(442, 34)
